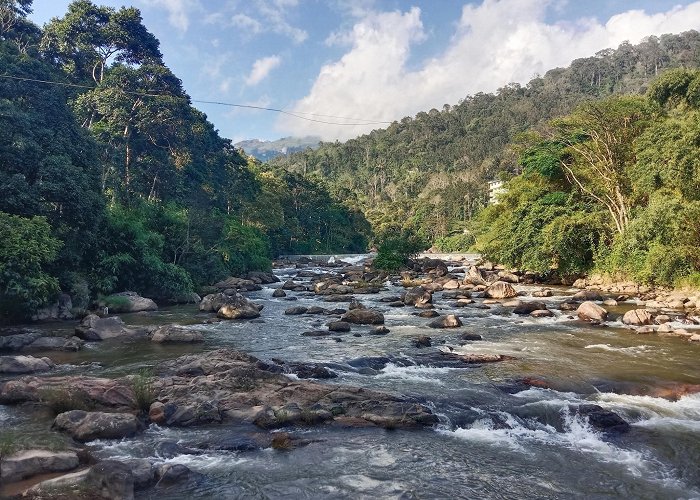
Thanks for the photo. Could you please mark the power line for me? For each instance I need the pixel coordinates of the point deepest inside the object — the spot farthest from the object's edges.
(295, 114)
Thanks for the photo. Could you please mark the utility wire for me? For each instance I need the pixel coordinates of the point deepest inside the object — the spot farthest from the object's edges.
(295, 114)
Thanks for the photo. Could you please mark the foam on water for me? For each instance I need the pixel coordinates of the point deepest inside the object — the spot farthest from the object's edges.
(632, 350)
(685, 408)
(413, 373)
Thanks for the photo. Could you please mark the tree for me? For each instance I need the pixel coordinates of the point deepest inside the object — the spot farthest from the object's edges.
(89, 37)
(599, 137)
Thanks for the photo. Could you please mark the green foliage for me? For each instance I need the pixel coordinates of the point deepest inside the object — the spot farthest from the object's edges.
(394, 250)
(63, 400)
(26, 249)
(142, 386)
(455, 243)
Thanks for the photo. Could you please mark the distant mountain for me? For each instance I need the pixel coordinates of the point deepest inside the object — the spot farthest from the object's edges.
(267, 150)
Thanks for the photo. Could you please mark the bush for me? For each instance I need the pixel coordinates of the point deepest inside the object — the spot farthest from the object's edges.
(394, 251)
(455, 243)
(142, 387)
(26, 247)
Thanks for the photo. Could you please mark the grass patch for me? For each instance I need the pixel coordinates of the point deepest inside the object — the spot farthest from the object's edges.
(115, 302)
(62, 400)
(142, 386)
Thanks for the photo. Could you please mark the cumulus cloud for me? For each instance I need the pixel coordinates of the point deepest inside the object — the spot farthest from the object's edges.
(261, 68)
(494, 43)
(247, 24)
(179, 11)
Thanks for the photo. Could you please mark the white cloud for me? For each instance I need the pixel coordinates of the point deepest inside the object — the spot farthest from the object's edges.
(495, 42)
(261, 68)
(179, 11)
(247, 23)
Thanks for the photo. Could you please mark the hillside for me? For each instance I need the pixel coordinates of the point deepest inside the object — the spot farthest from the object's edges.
(268, 150)
(428, 173)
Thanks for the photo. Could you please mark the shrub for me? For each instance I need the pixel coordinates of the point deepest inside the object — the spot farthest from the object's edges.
(142, 386)
(394, 251)
(455, 243)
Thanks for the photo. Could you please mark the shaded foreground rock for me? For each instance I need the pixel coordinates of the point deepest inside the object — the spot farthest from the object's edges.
(88, 426)
(227, 385)
(30, 463)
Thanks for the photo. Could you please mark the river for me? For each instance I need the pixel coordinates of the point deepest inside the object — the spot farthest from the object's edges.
(490, 443)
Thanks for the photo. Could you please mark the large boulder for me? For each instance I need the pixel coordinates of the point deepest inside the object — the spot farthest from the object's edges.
(449, 321)
(69, 344)
(92, 327)
(127, 302)
(590, 311)
(474, 276)
(173, 334)
(70, 392)
(528, 307)
(500, 290)
(61, 309)
(230, 306)
(88, 426)
(587, 295)
(30, 463)
(417, 296)
(24, 364)
(363, 317)
(638, 317)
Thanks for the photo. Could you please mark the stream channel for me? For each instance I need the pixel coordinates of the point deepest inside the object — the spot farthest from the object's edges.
(493, 441)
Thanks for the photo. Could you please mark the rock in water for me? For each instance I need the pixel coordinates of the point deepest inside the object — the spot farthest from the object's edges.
(279, 293)
(364, 317)
(603, 420)
(590, 311)
(528, 307)
(30, 463)
(92, 327)
(474, 276)
(126, 302)
(417, 296)
(638, 317)
(173, 334)
(587, 295)
(87, 426)
(501, 290)
(24, 364)
(449, 321)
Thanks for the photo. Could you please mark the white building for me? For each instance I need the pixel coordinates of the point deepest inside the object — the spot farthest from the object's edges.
(495, 189)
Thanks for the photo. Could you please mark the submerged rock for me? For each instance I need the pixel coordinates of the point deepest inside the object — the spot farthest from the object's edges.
(602, 419)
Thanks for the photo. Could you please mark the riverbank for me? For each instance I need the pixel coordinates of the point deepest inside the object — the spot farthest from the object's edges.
(402, 385)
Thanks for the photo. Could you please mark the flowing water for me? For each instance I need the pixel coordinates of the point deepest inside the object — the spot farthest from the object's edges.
(492, 442)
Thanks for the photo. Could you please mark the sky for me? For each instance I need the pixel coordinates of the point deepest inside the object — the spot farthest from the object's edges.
(350, 66)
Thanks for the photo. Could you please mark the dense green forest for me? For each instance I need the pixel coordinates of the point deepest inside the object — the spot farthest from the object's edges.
(613, 187)
(113, 180)
(428, 174)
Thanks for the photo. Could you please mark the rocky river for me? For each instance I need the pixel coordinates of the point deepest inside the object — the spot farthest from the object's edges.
(494, 403)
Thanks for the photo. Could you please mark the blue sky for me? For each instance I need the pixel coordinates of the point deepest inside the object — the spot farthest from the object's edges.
(372, 61)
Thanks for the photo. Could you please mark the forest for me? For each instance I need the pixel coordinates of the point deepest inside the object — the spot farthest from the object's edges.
(111, 180)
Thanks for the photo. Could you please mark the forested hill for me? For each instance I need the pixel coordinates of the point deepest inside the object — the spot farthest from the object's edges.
(111, 180)
(429, 173)
(267, 150)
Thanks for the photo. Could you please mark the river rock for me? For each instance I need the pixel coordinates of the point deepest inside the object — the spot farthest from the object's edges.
(239, 307)
(296, 310)
(279, 293)
(528, 307)
(423, 341)
(449, 321)
(173, 334)
(111, 480)
(508, 277)
(69, 344)
(542, 293)
(417, 296)
(476, 358)
(127, 302)
(541, 313)
(230, 386)
(61, 309)
(364, 317)
(590, 311)
(262, 277)
(339, 326)
(30, 463)
(92, 327)
(428, 314)
(568, 306)
(98, 393)
(474, 276)
(379, 330)
(88, 426)
(587, 295)
(316, 333)
(24, 364)
(472, 336)
(603, 420)
(501, 290)
(638, 317)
